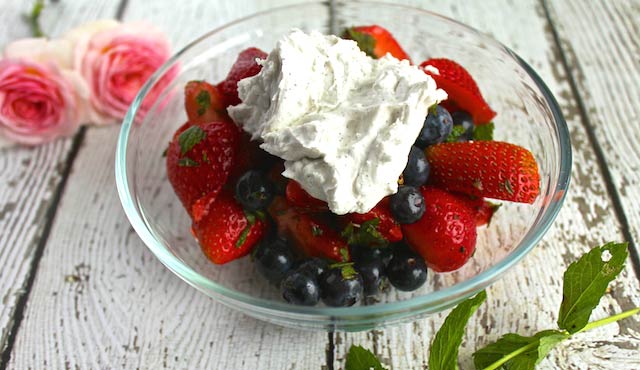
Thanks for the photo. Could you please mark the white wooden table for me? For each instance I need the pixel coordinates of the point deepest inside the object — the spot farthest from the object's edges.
(79, 290)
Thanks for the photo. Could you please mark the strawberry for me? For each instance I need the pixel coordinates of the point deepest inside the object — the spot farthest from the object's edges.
(446, 235)
(249, 156)
(199, 159)
(483, 210)
(387, 226)
(244, 66)
(203, 102)
(298, 197)
(375, 41)
(460, 87)
(223, 230)
(309, 234)
(490, 169)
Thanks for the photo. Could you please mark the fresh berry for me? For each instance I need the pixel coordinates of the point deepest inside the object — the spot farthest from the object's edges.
(200, 158)
(460, 87)
(244, 66)
(301, 289)
(372, 273)
(203, 102)
(464, 120)
(437, 127)
(249, 156)
(490, 169)
(446, 235)
(361, 253)
(406, 270)
(223, 230)
(483, 210)
(416, 173)
(299, 198)
(273, 258)
(340, 285)
(381, 219)
(308, 233)
(375, 41)
(407, 205)
(313, 267)
(254, 191)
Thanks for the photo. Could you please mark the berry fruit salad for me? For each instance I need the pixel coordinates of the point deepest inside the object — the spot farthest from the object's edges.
(341, 167)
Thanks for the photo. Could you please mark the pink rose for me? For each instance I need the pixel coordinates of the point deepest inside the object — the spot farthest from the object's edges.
(116, 60)
(39, 98)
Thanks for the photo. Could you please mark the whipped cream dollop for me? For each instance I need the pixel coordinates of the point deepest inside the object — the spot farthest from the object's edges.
(343, 122)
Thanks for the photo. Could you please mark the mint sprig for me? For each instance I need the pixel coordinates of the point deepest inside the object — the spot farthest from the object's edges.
(366, 234)
(585, 282)
(190, 138)
(483, 132)
(456, 132)
(360, 358)
(365, 42)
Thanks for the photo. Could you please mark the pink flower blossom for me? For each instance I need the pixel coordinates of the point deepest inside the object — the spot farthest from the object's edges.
(116, 60)
(39, 98)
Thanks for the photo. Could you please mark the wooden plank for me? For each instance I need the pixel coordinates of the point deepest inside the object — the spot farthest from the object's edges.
(602, 45)
(102, 300)
(526, 299)
(29, 177)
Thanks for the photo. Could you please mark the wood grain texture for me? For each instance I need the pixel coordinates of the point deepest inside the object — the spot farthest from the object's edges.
(29, 176)
(527, 298)
(602, 45)
(102, 300)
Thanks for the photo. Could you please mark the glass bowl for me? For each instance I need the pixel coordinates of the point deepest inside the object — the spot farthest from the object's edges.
(528, 115)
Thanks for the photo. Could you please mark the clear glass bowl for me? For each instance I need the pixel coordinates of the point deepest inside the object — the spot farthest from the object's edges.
(528, 115)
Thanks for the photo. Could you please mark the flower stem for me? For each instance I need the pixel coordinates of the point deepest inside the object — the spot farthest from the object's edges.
(510, 356)
(610, 319)
(34, 18)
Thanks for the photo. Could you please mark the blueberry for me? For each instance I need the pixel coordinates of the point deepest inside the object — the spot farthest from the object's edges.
(464, 119)
(361, 253)
(301, 289)
(372, 272)
(407, 205)
(340, 285)
(407, 270)
(437, 127)
(416, 172)
(273, 259)
(254, 191)
(313, 267)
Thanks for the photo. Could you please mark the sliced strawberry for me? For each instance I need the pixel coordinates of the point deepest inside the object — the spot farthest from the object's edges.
(375, 41)
(200, 158)
(223, 230)
(446, 235)
(309, 234)
(490, 169)
(204, 102)
(483, 210)
(244, 66)
(460, 87)
(386, 224)
(248, 157)
(298, 197)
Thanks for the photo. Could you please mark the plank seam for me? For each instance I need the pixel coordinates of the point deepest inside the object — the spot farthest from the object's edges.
(597, 148)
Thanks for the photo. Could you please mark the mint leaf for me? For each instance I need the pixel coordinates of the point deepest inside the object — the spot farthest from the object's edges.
(346, 269)
(483, 132)
(444, 348)
(316, 230)
(456, 132)
(586, 281)
(203, 99)
(360, 358)
(243, 236)
(366, 234)
(518, 352)
(187, 162)
(365, 41)
(190, 138)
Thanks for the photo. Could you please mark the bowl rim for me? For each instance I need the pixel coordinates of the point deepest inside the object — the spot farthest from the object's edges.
(434, 299)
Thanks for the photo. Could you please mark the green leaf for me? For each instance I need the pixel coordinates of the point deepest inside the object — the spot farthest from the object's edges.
(203, 99)
(360, 358)
(444, 348)
(483, 132)
(586, 281)
(516, 352)
(243, 236)
(346, 269)
(187, 162)
(316, 230)
(456, 132)
(366, 234)
(365, 41)
(33, 18)
(190, 138)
